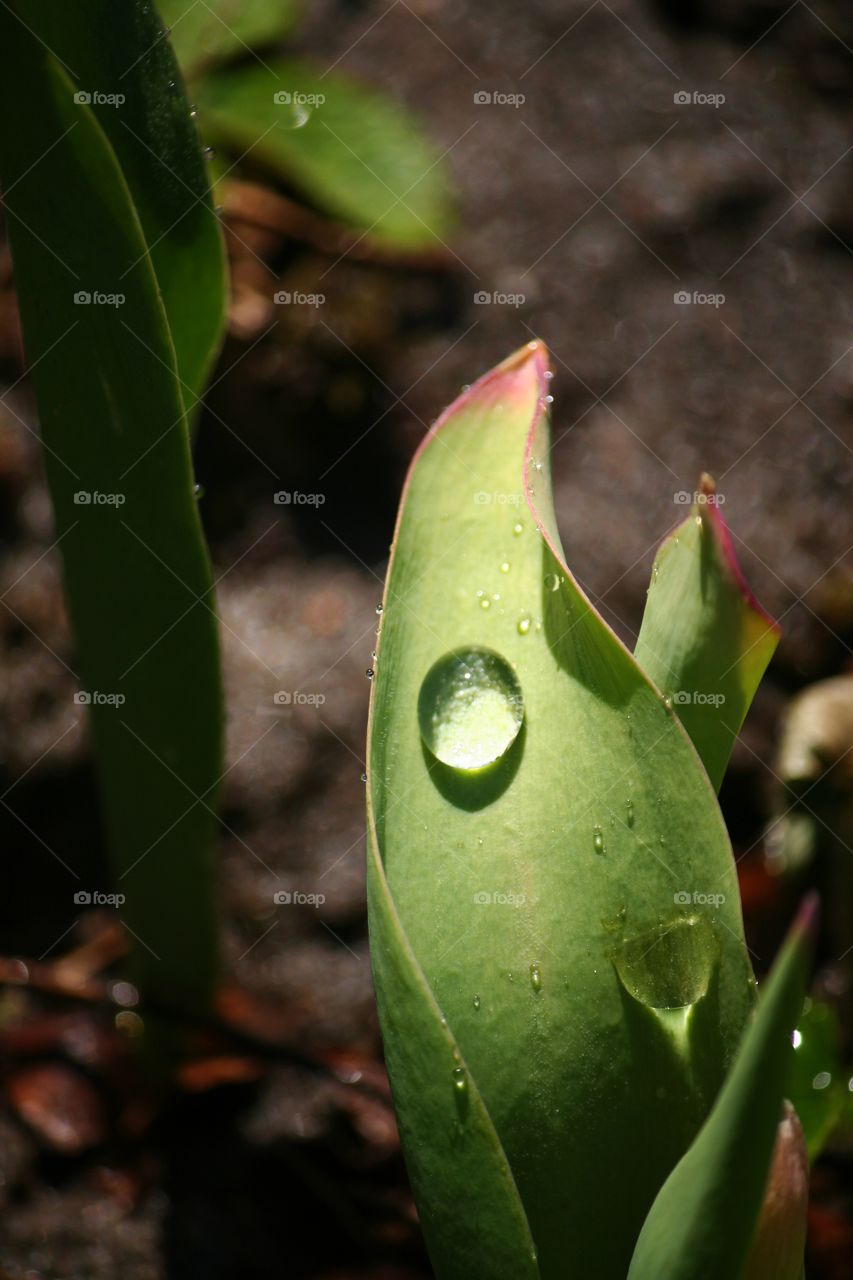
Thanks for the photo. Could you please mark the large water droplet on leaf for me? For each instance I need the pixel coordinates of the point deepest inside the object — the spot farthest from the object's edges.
(670, 966)
(470, 708)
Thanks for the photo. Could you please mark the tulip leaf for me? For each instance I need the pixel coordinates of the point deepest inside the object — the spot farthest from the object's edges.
(137, 579)
(204, 32)
(125, 71)
(351, 150)
(703, 1221)
(704, 640)
(554, 854)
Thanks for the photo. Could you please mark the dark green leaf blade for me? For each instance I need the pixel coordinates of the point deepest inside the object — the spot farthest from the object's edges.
(354, 152)
(704, 640)
(702, 1223)
(137, 578)
(120, 59)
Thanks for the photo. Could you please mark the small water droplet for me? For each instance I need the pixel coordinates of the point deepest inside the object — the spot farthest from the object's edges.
(470, 708)
(477, 1003)
(552, 582)
(549, 373)
(485, 602)
(536, 977)
(598, 840)
(379, 608)
(629, 811)
(523, 625)
(364, 777)
(373, 655)
(460, 1079)
(549, 399)
(370, 673)
(193, 112)
(208, 153)
(518, 529)
(655, 571)
(667, 701)
(670, 966)
(198, 492)
(505, 566)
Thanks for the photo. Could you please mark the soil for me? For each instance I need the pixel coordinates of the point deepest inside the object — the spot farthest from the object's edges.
(599, 198)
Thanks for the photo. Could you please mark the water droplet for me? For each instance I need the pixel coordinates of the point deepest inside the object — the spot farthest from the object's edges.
(485, 602)
(518, 529)
(598, 840)
(379, 608)
(549, 399)
(667, 701)
(629, 811)
(506, 566)
(370, 673)
(373, 655)
(655, 571)
(523, 625)
(477, 1003)
(670, 966)
(460, 1079)
(552, 582)
(364, 777)
(208, 153)
(198, 492)
(536, 978)
(193, 112)
(549, 373)
(470, 708)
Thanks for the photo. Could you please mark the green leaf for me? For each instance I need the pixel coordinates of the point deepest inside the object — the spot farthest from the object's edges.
(118, 56)
(705, 640)
(355, 153)
(703, 1221)
(204, 32)
(137, 579)
(572, 906)
(817, 1085)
